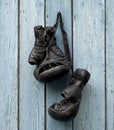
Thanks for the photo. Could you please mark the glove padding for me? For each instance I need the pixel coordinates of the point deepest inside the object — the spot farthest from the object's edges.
(65, 110)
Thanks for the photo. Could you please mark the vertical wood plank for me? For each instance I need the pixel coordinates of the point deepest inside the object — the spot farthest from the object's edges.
(31, 91)
(88, 53)
(110, 64)
(54, 89)
(8, 64)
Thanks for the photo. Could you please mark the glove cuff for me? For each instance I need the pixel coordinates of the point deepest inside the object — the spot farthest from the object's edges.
(82, 75)
(73, 91)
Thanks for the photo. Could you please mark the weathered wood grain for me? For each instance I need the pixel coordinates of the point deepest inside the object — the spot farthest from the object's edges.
(110, 64)
(8, 64)
(88, 53)
(31, 91)
(54, 89)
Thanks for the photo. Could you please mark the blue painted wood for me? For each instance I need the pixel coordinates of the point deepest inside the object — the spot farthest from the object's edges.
(110, 64)
(54, 89)
(88, 53)
(31, 91)
(8, 64)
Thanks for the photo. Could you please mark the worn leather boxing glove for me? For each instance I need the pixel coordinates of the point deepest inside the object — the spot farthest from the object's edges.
(51, 62)
(69, 106)
(55, 64)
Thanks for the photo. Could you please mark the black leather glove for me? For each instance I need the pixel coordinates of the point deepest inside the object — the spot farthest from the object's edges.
(69, 106)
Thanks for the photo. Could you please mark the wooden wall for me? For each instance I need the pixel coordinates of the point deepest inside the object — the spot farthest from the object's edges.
(23, 100)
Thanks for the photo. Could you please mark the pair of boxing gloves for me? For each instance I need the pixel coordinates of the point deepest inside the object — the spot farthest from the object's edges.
(52, 63)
